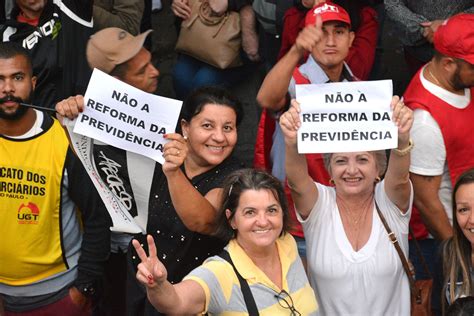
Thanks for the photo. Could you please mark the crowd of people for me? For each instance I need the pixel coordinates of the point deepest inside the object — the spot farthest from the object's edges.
(296, 234)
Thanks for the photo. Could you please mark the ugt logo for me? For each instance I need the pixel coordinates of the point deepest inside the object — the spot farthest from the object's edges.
(28, 213)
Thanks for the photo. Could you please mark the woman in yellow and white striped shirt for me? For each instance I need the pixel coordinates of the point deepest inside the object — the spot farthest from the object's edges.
(255, 218)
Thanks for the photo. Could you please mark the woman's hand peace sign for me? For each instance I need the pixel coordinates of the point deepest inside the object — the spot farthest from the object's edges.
(151, 272)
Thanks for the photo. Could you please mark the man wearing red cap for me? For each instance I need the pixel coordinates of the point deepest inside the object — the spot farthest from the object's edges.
(415, 22)
(327, 38)
(441, 94)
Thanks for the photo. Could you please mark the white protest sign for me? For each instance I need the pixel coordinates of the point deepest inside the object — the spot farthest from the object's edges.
(126, 117)
(121, 218)
(346, 117)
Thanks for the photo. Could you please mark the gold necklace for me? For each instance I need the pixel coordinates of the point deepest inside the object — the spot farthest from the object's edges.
(433, 76)
(354, 218)
(356, 222)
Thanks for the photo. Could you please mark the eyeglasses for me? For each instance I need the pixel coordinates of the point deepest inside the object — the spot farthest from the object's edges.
(285, 301)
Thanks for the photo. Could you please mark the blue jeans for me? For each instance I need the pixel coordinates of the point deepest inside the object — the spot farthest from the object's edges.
(190, 73)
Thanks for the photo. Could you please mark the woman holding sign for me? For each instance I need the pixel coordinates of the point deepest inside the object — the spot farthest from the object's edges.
(186, 191)
(353, 265)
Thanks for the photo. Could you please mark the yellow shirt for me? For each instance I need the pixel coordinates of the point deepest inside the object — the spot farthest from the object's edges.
(31, 173)
(222, 288)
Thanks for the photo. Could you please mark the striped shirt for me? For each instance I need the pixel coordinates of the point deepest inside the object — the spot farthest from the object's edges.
(222, 289)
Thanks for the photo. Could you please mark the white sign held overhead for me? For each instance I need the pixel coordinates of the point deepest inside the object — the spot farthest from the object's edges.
(126, 117)
(346, 117)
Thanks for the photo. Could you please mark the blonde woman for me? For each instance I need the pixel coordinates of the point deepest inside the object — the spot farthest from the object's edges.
(352, 264)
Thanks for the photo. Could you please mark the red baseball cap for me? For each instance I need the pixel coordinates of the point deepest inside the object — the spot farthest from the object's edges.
(328, 12)
(455, 37)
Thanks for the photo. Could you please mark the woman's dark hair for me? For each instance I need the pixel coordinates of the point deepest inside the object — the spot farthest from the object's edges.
(457, 251)
(194, 103)
(248, 179)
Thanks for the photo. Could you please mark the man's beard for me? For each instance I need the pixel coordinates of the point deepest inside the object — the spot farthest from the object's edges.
(20, 111)
(456, 81)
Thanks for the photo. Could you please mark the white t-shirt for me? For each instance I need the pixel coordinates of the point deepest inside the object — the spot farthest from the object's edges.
(428, 157)
(368, 282)
(35, 129)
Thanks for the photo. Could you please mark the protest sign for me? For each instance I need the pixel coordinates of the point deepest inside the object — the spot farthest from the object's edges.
(126, 117)
(346, 117)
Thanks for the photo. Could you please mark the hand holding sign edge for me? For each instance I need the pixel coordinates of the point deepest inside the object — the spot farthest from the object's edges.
(290, 123)
(174, 152)
(402, 117)
(70, 108)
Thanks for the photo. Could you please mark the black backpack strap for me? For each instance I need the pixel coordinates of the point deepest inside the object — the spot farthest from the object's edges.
(244, 286)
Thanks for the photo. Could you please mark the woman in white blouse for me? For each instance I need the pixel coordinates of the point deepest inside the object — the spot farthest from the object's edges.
(353, 266)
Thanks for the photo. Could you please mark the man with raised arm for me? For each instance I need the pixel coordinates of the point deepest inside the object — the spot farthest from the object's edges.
(327, 39)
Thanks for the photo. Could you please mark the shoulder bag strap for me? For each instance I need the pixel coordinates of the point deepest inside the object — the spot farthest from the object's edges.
(404, 260)
(244, 287)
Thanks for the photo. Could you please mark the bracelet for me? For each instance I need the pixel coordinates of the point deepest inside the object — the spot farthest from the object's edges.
(405, 151)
